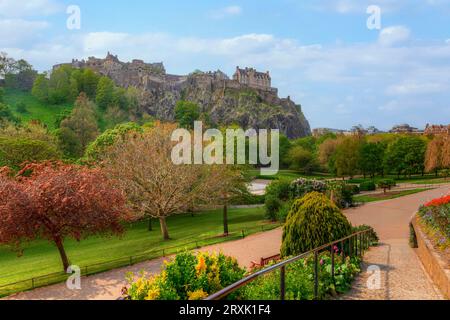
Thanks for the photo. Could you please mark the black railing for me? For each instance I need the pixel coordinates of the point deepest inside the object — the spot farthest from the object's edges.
(353, 245)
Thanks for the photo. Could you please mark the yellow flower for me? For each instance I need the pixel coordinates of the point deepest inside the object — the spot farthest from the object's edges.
(197, 295)
(153, 294)
(201, 265)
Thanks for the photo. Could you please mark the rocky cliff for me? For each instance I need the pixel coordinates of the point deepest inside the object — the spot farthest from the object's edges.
(226, 101)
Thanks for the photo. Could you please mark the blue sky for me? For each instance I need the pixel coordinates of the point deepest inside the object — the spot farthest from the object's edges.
(320, 52)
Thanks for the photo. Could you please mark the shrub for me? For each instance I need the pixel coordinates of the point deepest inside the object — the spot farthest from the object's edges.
(313, 221)
(373, 236)
(284, 211)
(368, 186)
(279, 189)
(272, 206)
(186, 277)
(302, 186)
(341, 193)
(299, 280)
(386, 184)
(21, 107)
(15, 151)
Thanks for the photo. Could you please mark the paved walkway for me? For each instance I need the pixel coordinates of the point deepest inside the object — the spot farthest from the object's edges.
(402, 275)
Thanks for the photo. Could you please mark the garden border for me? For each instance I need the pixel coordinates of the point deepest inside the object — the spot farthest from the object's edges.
(432, 262)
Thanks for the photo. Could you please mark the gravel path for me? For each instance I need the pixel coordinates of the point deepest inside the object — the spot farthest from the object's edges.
(402, 275)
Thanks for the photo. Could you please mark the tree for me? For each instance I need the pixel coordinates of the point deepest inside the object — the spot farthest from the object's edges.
(80, 128)
(406, 155)
(54, 201)
(371, 158)
(59, 85)
(327, 152)
(7, 64)
(40, 88)
(6, 115)
(14, 151)
(2, 94)
(105, 91)
(313, 221)
(89, 83)
(285, 146)
(301, 159)
(347, 156)
(21, 77)
(433, 155)
(155, 186)
(186, 113)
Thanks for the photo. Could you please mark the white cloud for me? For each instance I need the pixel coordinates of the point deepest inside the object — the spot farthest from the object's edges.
(225, 12)
(16, 8)
(394, 35)
(13, 32)
(344, 81)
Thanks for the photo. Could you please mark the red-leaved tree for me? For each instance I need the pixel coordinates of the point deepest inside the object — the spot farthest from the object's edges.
(55, 201)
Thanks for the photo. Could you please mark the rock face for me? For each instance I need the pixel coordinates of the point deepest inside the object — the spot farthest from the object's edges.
(226, 101)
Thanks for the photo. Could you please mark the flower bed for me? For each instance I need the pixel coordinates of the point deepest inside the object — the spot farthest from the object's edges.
(435, 218)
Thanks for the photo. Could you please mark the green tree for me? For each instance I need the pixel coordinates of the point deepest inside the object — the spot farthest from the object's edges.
(301, 159)
(406, 155)
(59, 90)
(347, 157)
(105, 91)
(285, 146)
(40, 88)
(2, 94)
(89, 83)
(186, 113)
(21, 77)
(78, 130)
(15, 151)
(99, 146)
(312, 222)
(371, 158)
(6, 115)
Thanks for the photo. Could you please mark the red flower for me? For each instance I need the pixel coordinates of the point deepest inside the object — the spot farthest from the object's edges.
(438, 202)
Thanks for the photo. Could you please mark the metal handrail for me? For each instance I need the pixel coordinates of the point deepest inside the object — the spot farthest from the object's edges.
(362, 235)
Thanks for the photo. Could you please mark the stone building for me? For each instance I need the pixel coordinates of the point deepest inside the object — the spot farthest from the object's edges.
(437, 129)
(404, 128)
(252, 78)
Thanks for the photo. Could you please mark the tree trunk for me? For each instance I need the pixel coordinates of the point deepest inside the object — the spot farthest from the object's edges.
(164, 230)
(225, 220)
(150, 226)
(62, 253)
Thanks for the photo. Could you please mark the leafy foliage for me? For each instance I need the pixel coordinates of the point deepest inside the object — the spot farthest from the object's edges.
(54, 201)
(186, 277)
(313, 221)
(299, 279)
(368, 186)
(186, 113)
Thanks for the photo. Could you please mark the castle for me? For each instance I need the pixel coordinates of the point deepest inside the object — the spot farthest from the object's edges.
(437, 129)
(141, 74)
(253, 78)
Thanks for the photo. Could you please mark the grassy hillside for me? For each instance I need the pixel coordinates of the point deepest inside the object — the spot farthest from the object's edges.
(36, 110)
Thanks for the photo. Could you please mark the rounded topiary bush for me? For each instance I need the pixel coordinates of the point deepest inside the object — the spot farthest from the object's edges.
(313, 221)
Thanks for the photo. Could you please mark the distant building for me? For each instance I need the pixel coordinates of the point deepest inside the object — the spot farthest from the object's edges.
(322, 131)
(252, 78)
(437, 129)
(404, 128)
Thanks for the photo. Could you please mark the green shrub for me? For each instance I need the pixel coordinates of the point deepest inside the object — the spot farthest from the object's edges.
(386, 184)
(341, 193)
(279, 189)
(284, 211)
(373, 236)
(15, 151)
(299, 280)
(186, 277)
(368, 186)
(302, 186)
(313, 221)
(272, 206)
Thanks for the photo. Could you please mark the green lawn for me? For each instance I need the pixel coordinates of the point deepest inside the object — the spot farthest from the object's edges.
(434, 181)
(287, 175)
(387, 196)
(36, 110)
(425, 179)
(41, 258)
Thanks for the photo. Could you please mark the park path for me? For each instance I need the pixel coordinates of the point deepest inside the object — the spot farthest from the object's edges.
(402, 275)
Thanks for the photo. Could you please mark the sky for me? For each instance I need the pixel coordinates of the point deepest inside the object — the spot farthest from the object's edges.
(321, 53)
